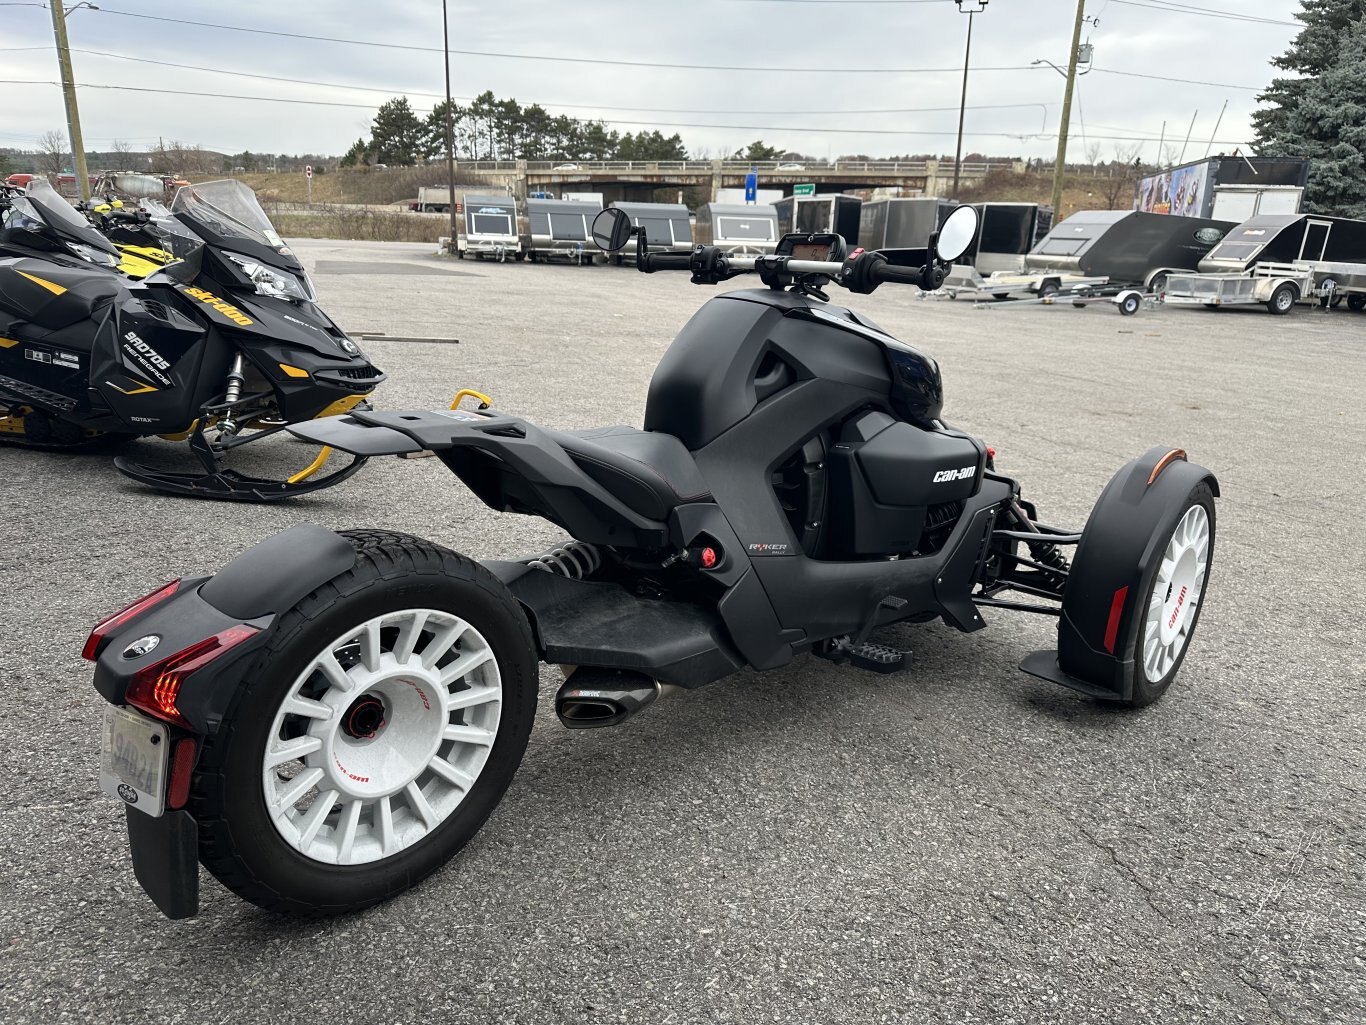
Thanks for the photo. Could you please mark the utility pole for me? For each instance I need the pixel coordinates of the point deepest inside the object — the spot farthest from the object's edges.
(977, 7)
(1060, 168)
(450, 127)
(73, 115)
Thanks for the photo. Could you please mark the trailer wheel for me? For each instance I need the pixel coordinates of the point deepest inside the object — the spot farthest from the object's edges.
(1283, 299)
(1130, 304)
(1212, 306)
(1158, 284)
(1356, 303)
(521, 257)
(1049, 288)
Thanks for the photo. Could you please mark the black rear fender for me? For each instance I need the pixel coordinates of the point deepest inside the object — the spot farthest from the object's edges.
(253, 589)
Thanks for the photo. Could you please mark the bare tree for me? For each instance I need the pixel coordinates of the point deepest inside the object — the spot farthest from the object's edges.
(1119, 186)
(53, 154)
(123, 155)
(1093, 155)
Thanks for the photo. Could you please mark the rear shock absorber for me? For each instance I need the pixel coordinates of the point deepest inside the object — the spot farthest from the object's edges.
(577, 560)
(227, 427)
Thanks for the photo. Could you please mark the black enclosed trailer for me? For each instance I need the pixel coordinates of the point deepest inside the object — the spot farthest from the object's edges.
(748, 230)
(900, 229)
(1226, 188)
(1285, 238)
(1006, 233)
(490, 228)
(667, 227)
(561, 229)
(831, 212)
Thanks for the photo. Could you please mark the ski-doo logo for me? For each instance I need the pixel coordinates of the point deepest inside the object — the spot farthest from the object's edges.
(944, 476)
(226, 308)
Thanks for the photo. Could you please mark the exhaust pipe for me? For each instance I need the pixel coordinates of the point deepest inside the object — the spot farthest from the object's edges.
(594, 697)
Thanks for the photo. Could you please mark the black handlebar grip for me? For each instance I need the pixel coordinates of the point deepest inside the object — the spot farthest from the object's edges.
(897, 275)
(668, 261)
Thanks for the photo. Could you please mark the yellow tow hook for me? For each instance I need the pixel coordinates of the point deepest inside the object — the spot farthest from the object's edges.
(313, 467)
(484, 401)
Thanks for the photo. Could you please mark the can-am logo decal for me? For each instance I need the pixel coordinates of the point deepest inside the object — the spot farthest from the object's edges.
(1209, 236)
(147, 359)
(944, 476)
(226, 308)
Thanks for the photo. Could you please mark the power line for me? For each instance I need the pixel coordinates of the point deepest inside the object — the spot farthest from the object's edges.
(1183, 81)
(1176, 8)
(610, 121)
(805, 70)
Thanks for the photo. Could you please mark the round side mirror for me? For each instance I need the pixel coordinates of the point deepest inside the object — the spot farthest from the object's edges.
(611, 230)
(957, 234)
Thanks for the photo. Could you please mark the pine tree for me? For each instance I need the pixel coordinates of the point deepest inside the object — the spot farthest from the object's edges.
(397, 133)
(1322, 115)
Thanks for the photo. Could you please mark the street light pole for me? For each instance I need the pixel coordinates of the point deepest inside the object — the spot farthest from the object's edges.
(978, 6)
(1060, 166)
(450, 128)
(73, 114)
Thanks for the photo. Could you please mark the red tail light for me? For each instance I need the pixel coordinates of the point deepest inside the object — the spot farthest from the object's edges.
(111, 624)
(154, 688)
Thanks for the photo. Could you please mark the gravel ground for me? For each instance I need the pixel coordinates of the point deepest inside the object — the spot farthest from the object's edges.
(960, 843)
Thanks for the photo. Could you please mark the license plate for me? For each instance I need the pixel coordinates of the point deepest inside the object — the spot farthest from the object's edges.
(133, 760)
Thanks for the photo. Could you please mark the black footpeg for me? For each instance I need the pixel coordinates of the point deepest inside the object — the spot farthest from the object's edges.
(874, 658)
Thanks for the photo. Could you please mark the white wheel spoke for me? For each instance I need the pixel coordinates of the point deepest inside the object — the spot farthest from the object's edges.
(442, 643)
(420, 807)
(336, 675)
(469, 735)
(296, 704)
(408, 637)
(473, 696)
(384, 822)
(370, 645)
(296, 788)
(315, 817)
(291, 750)
(346, 830)
(451, 774)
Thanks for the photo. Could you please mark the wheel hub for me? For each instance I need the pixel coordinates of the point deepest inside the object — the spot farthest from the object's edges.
(384, 739)
(364, 718)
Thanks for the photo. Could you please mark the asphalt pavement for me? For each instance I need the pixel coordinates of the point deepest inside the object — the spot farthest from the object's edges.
(958, 843)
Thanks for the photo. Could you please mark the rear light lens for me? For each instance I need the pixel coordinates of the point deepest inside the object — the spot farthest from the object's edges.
(112, 624)
(182, 769)
(155, 688)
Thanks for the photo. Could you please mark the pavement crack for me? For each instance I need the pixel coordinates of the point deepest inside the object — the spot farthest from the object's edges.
(1265, 994)
(1125, 869)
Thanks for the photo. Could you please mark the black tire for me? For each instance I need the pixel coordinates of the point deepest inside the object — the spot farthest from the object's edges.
(240, 844)
(1283, 299)
(1130, 305)
(1147, 691)
(1049, 288)
(1213, 306)
(1356, 302)
(1158, 284)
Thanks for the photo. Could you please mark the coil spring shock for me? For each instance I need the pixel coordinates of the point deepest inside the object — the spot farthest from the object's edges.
(1050, 556)
(227, 427)
(577, 560)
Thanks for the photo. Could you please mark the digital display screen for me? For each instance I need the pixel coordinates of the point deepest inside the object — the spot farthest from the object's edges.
(810, 251)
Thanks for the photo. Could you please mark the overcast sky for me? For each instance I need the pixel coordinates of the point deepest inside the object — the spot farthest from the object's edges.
(1131, 36)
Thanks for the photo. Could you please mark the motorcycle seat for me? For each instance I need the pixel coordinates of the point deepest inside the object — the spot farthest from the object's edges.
(647, 471)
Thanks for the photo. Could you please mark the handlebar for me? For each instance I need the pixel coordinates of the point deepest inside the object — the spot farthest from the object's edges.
(862, 272)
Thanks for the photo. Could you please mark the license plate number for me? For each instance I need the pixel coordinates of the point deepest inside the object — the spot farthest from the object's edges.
(133, 760)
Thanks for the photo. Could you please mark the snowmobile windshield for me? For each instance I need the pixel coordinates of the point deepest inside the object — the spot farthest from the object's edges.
(41, 202)
(229, 208)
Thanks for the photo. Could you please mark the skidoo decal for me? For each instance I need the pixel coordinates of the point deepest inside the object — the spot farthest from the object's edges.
(226, 308)
(51, 286)
(8, 343)
(142, 389)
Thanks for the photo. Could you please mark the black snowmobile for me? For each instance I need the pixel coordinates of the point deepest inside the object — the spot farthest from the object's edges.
(224, 346)
(332, 716)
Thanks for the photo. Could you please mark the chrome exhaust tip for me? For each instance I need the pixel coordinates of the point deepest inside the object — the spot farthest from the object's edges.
(593, 698)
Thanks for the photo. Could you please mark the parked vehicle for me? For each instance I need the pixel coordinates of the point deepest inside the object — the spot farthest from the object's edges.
(830, 212)
(737, 230)
(900, 229)
(490, 228)
(222, 347)
(431, 200)
(332, 716)
(560, 230)
(1009, 232)
(667, 227)
(1225, 188)
(1278, 260)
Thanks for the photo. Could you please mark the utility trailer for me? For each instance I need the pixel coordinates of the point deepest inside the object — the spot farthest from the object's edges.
(831, 213)
(1100, 251)
(900, 229)
(1278, 260)
(667, 228)
(490, 229)
(737, 230)
(561, 229)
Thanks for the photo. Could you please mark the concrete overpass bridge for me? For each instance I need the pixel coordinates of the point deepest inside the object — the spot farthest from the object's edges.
(627, 180)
